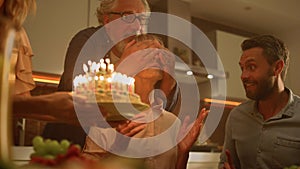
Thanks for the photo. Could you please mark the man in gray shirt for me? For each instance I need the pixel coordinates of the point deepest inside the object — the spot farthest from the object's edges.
(264, 131)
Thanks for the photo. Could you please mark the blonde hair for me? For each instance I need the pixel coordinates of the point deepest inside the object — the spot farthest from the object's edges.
(17, 10)
(107, 5)
(5, 27)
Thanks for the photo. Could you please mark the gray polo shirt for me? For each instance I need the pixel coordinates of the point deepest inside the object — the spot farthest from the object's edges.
(258, 143)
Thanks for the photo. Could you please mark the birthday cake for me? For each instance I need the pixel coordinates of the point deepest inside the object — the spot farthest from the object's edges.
(113, 90)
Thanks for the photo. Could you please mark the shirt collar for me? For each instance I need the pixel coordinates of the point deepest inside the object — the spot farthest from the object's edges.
(287, 111)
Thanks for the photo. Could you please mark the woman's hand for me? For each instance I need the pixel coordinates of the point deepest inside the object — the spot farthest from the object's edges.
(126, 130)
(193, 131)
(130, 128)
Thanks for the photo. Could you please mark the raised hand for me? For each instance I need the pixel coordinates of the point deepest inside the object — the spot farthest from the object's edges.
(193, 131)
(134, 46)
(126, 130)
(130, 128)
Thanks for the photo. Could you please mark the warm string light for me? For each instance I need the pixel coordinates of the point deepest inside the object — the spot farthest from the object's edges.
(226, 102)
(46, 78)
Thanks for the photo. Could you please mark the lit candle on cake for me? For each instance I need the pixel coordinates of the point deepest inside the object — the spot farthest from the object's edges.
(115, 81)
(101, 61)
(85, 69)
(80, 83)
(103, 67)
(96, 81)
(98, 67)
(76, 83)
(93, 67)
(110, 68)
(108, 87)
(89, 62)
(84, 81)
(107, 60)
(101, 83)
(131, 85)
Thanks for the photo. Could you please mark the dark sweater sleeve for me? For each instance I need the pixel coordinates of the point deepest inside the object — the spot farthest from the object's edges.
(72, 54)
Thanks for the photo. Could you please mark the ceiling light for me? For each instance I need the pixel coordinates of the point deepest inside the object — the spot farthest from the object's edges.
(189, 73)
(210, 76)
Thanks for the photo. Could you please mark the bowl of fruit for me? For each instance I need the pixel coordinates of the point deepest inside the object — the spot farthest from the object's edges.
(52, 153)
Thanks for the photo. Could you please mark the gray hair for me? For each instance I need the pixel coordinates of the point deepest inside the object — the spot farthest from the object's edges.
(107, 5)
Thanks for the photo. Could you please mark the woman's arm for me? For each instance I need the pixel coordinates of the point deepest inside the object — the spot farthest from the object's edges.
(57, 106)
(187, 142)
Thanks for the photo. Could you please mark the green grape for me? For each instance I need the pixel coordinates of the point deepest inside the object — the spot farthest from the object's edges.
(38, 146)
(48, 146)
(48, 141)
(65, 144)
(41, 150)
(37, 140)
(55, 148)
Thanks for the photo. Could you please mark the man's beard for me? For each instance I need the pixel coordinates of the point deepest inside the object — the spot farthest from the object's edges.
(264, 88)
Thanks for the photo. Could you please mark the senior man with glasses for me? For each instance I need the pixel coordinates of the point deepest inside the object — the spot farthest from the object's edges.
(135, 17)
(129, 18)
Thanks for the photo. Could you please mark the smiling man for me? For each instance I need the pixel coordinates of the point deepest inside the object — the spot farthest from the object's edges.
(264, 131)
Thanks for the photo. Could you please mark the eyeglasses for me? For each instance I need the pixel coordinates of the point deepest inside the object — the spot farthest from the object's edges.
(129, 17)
